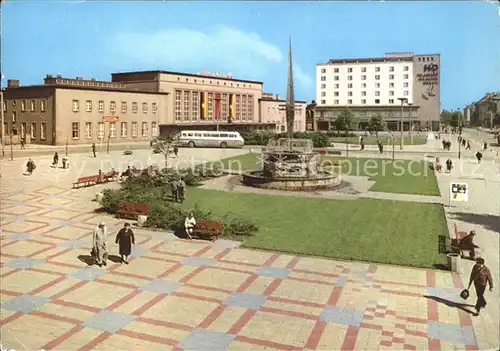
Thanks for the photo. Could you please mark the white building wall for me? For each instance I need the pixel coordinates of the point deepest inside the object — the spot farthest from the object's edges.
(332, 92)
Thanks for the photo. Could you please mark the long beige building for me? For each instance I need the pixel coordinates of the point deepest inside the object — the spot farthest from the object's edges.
(133, 106)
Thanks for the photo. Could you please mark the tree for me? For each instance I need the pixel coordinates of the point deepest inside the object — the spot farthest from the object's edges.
(377, 124)
(345, 121)
(445, 117)
(163, 144)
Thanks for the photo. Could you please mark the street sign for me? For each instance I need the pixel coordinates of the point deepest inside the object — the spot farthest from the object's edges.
(110, 119)
(459, 192)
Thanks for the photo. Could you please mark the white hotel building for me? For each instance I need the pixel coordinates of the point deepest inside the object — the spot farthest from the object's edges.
(372, 86)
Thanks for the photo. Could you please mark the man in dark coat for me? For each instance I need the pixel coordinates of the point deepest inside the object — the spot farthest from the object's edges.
(480, 276)
(56, 159)
(30, 166)
(93, 149)
(125, 239)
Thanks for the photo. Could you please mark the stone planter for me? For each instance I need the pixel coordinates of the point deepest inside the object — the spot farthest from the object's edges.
(141, 220)
(99, 197)
(453, 262)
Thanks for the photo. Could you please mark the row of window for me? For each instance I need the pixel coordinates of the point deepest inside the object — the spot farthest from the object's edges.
(363, 85)
(363, 69)
(363, 77)
(112, 106)
(23, 131)
(35, 105)
(363, 93)
(363, 101)
(112, 130)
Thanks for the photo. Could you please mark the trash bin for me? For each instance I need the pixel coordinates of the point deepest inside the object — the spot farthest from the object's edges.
(453, 262)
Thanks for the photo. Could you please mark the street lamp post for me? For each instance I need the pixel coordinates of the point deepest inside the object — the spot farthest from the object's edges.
(403, 100)
(410, 122)
(11, 147)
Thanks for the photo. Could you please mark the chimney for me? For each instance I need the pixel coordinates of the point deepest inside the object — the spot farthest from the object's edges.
(13, 83)
(49, 76)
(58, 76)
(79, 78)
(92, 79)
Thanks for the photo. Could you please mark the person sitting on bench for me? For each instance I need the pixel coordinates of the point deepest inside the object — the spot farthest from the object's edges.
(438, 165)
(467, 243)
(189, 224)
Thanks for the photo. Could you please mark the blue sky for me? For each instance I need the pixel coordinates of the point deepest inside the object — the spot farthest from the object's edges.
(249, 39)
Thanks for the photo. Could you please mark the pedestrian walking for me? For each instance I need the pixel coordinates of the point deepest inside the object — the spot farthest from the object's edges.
(30, 166)
(480, 276)
(449, 165)
(176, 151)
(362, 142)
(468, 145)
(56, 159)
(93, 150)
(485, 146)
(479, 156)
(100, 244)
(181, 186)
(125, 239)
(173, 188)
(23, 143)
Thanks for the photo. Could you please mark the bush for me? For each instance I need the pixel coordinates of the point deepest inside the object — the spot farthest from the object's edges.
(238, 227)
(319, 139)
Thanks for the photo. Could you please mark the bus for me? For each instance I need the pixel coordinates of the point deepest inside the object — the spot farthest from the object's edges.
(200, 138)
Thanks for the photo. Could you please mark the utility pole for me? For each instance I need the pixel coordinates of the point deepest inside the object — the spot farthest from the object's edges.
(410, 122)
(66, 149)
(403, 100)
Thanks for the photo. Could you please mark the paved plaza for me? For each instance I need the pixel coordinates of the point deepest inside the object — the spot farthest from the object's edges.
(197, 295)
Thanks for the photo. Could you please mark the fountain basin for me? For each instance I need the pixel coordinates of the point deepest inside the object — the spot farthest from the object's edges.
(318, 181)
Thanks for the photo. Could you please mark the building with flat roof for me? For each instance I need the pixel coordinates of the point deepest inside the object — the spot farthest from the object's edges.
(374, 86)
(272, 111)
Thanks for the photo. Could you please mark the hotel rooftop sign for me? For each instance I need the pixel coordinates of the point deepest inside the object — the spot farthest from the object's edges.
(216, 74)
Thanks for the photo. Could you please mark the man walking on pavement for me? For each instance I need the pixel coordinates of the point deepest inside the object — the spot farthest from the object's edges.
(480, 276)
(100, 244)
(93, 149)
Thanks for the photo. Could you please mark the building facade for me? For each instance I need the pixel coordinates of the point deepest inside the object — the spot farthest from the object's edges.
(374, 86)
(272, 113)
(482, 112)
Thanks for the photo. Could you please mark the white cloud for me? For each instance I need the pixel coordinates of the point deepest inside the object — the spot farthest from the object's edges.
(303, 80)
(221, 48)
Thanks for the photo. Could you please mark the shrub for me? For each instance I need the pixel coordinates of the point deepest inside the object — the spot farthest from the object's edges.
(238, 227)
(319, 139)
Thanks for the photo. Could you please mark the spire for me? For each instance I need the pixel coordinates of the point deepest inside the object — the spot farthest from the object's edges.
(290, 99)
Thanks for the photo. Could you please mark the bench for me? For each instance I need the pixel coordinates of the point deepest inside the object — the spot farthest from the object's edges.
(436, 167)
(455, 243)
(86, 181)
(113, 175)
(211, 229)
(132, 209)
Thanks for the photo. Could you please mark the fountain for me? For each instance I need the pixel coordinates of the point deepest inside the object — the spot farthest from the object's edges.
(288, 163)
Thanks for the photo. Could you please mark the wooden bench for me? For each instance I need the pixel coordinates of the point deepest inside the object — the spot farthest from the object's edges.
(211, 229)
(113, 175)
(86, 181)
(455, 244)
(132, 209)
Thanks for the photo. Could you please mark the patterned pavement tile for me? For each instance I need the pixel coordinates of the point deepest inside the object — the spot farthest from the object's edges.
(108, 321)
(161, 286)
(21, 236)
(23, 263)
(198, 261)
(137, 252)
(25, 303)
(454, 333)
(345, 316)
(274, 272)
(71, 244)
(88, 273)
(249, 301)
(63, 223)
(205, 340)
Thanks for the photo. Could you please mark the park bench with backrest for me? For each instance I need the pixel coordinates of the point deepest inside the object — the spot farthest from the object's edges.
(455, 244)
(132, 209)
(207, 228)
(86, 181)
(113, 175)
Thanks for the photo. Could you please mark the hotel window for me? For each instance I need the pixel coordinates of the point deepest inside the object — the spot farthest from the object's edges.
(250, 108)
(349, 86)
(336, 86)
(88, 106)
(154, 129)
(33, 105)
(177, 110)
(43, 129)
(88, 130)
(336, 70)
(124, 106)
(363, 69)
(405, 76)
(349, 93)
(349, 77)
(112, 129)
(144, 107)
(238, 107)
(391, 93)
(363, 85)
(75, 130)
(33, 130)
(4, 106)
(101, 106)
(405, 85)
(186, 105)
(323, 101)
(336, 93)
(23, 105)
(134, 107)
(363, 101)
(14, 116)
(377, 101)
(406, 68)
(76, 105)
(336, 78)
(134, 129)
(377, 93)
(323, 86)
(123, 130)
(391, 76)
(224, 107)
(377, 85)
(363, 77)
(363, 93)
(377, 77)
(112, 106)
(323, 78)
(210, 106)
(144, 129)
(349, 70)
(323, 70)
(391, 69)
(391, 85)
(100, 132)
(154, 107)
(243, 107)
(349, 102)
(42, 105)
(377, 69)
(195, 105)
(391, 101)
(405, 93)
(336, 102)
(323, 93)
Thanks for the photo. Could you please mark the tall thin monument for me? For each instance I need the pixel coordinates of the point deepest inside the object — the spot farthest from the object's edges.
(290, 99)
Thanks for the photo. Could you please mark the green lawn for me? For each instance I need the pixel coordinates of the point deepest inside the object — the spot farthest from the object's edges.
(371, 230)
(399, 176)
(372, 140)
